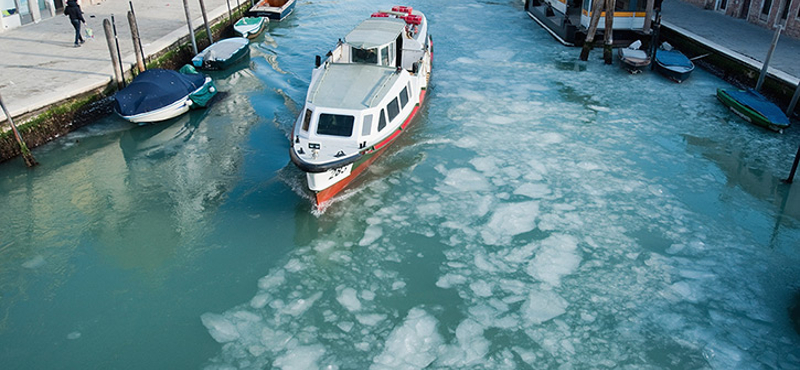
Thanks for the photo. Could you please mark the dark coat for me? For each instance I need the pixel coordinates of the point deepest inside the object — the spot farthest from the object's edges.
(73, 11)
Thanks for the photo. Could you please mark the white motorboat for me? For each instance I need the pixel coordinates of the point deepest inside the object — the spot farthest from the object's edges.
(361, 98)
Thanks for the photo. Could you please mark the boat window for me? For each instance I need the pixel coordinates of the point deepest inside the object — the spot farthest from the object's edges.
(404, 97)
(393, 109)
(382, 121)
(366, 126)
(365, 56)
(307, 120)
(335, 125)
(385, 56)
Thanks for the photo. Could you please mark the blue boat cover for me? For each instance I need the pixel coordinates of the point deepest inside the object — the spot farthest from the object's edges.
(672, 58)
(154, 89)
(757, 102)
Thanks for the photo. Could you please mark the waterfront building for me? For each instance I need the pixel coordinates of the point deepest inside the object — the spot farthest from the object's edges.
(765, 13)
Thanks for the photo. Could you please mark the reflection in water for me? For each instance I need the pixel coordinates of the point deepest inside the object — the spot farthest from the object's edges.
(745, 169)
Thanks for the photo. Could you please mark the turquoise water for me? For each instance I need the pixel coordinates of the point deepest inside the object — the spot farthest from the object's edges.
(541, 213)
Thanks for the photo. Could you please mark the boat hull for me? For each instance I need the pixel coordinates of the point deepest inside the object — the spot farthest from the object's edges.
(367, 158)
(677, 74)
(173, 110)
(673, 64)
(272, 12)
(250, 27)
(219, 63)
(749, 114)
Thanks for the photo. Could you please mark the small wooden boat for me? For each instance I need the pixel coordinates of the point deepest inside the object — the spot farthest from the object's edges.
(222, 54)
(250, 27)
(361, 98)
(634, 59)
(273, 9)
(672, 63)
(160, 94)
(754, 108)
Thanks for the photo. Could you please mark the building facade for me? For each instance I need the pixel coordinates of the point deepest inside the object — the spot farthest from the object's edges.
(765, 13)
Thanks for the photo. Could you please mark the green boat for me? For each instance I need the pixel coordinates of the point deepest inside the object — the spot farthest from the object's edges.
(754, 108)
(250, 27)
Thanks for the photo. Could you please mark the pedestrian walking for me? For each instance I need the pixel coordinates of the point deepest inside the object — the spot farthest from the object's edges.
(73, 11)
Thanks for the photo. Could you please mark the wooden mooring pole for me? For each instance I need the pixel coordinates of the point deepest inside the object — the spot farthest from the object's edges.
(189, 24)
(793, 104)
(119, 54)
(794, 167)
(144, 57)
(230, 14)
(205, 20)
(608, 34)
(763, 73)
(113, 52)
(137, 46)
(597, 7)
(26, 153)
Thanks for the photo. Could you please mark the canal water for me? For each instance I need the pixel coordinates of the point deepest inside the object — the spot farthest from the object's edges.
(541, 213)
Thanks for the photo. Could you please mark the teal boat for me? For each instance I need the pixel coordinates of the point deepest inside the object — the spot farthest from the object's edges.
(754, 108)
(222, 54)
(250, 27)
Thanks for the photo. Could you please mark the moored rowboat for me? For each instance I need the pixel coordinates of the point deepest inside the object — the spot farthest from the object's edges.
(754, 108)
(250, 27)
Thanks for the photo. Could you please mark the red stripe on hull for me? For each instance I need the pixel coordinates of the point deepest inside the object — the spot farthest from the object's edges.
(325, 195)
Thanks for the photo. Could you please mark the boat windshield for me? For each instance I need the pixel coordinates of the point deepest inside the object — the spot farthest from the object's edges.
(365, 56)
(335, 125)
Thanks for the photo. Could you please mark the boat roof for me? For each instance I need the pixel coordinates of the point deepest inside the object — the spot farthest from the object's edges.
(353, 86)
(374, 32)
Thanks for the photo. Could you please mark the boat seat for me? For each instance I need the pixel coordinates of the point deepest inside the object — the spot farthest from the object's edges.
(634, 53)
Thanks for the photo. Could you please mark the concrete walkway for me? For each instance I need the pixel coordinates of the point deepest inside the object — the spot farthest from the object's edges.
(39, 65)
(736, 37)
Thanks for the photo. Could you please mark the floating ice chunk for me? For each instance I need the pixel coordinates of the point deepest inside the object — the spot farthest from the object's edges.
(219, 327)
(685, 291)
(598, 108)
(273, 280)
(370, 319)
(34, 262)
(346, 326)
(486, 165)
(556, 258)
(464, 180)
(481, 288)
(413, 345)
(301, 305)
(542, 306)
(74, 335)
(398, 285)
(300, 358)
(368, 295)
(470, 336)
(722, 355)
(347, 297)
(371, 234)
(550, 138)
(533, 191)
(510, 219)
(449, 280)
(500, 120)
(260, 300)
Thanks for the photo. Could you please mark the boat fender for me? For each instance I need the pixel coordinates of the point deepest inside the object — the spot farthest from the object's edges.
(415, 67)
(212, 89)
(318, 61)
(189, 102)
